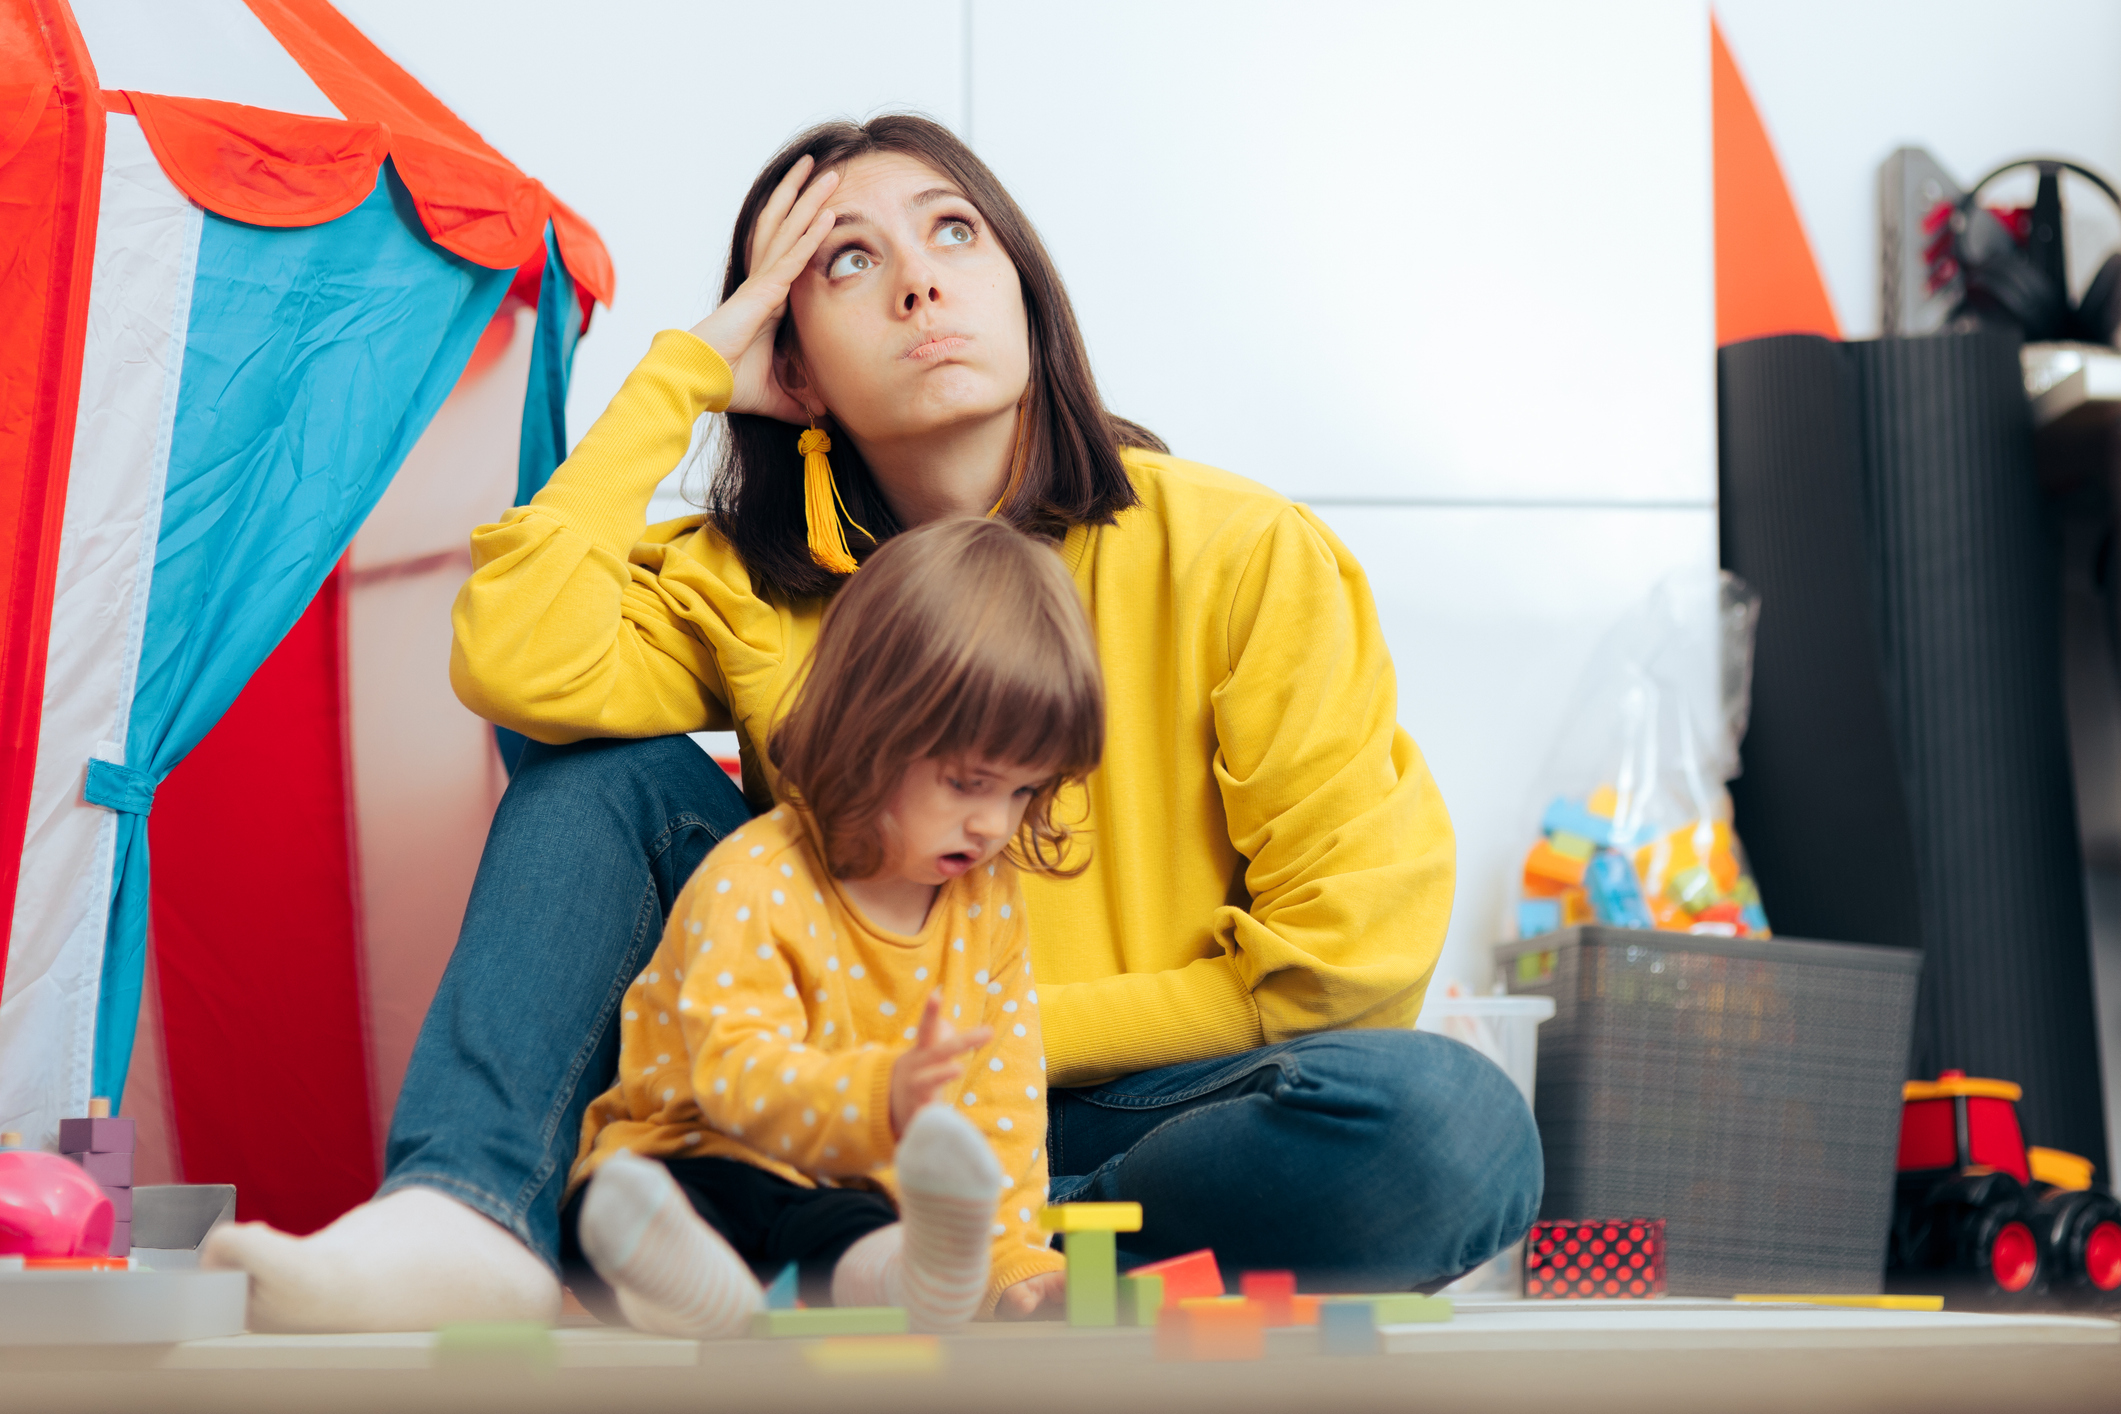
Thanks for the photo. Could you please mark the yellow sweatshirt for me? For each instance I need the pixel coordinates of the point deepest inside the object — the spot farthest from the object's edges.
(765, 1027)
(1270, 856)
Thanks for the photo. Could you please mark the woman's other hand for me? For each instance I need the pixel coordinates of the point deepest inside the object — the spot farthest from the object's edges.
(788, 232)
(920, 1076)
(1032, 1297)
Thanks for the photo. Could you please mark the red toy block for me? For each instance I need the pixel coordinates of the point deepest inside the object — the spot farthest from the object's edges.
(1607, 1258)
(121, 1204)
(1211, 1328)
(1185, 1277)
(1275, 1292)
(110, 1170)
(96, 1136)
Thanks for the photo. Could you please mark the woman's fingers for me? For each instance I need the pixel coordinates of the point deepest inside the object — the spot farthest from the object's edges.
(796, 227)
(776, 210)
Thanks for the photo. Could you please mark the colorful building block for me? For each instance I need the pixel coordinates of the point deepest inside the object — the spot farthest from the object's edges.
(782, 1294)
(1093, 1256)
(110, 1170)
(1397, 1308)
(1187, 1276)
(1211, 1328)
(1538, 915)
(1548, 864)
(1571, 846)
(1274, 1291)
(1616, 896)
(121, 1239)
(1864, 1303)
(1140, 1299)
(488, 1345)
(875, 1355)
(1567, 817)
(1348, 1328)
(96, 1136)
(829, 1320)
(121, 1204)
(1606, 1258)
(1091, 1217)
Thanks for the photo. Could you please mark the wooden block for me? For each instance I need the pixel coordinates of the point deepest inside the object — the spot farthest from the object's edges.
(496, 1345)
(121, 1239)
(1211, 1329)
(875, 1355)
(1274, 1291)
(1868, 1303)
(829, 1320)
(781, 1295)
(1348, 1328)
(110, 1170)
(1141, 1298)
(121, 1204)
(1093, 1281)
(1303, 1310)
(96, 1136)
(1091, 1217)
(1398, 1308)
(1191, 1274)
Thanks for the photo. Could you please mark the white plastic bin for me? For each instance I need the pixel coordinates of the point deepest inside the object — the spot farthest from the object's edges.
(1506, 1031)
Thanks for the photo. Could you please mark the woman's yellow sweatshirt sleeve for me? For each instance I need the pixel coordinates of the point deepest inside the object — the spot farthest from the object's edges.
(558, 636)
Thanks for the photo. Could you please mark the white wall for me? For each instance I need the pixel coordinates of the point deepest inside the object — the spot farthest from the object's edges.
(1441, 270)
(1839, 86)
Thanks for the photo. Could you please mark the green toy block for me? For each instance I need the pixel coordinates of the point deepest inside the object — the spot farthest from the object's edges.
(1093, 1279)
(486, 1345)
(1140, 1298)
(1400, 1308)
(829, 1320)
(1573, 846)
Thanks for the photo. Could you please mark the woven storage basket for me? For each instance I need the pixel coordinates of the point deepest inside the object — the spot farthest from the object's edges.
(1747, 1092)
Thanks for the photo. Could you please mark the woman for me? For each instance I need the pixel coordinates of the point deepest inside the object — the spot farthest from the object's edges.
(1226, 990)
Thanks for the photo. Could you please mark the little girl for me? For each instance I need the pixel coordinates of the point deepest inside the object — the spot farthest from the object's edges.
(792, 1076)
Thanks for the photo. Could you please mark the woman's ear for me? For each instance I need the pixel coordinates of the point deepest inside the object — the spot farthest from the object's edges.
(794, 378)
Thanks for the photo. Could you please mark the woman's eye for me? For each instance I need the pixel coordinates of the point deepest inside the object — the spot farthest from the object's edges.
(954, 233)
(850, 262)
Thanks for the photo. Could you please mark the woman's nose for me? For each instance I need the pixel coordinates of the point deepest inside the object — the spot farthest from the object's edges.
(919, 287)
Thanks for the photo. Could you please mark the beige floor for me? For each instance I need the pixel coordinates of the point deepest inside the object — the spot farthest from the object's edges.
(1684, 1356)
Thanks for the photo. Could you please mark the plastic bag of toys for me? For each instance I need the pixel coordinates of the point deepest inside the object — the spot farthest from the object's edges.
(1633, 822)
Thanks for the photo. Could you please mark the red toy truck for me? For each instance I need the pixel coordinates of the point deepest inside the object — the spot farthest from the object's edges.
(1986, 1220)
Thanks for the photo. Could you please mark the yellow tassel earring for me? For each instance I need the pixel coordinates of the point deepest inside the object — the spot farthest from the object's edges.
(823, 506)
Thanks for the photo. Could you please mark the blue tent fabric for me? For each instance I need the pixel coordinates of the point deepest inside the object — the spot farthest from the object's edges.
(315, 358)
(544, 443)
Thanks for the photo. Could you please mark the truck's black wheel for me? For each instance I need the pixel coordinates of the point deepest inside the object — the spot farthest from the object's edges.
(2083, 1231)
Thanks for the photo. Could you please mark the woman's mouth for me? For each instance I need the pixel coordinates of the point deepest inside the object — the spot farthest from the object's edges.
(937, 347)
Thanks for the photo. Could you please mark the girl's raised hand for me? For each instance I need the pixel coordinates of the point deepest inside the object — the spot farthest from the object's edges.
(791, 226)
(920, 1076)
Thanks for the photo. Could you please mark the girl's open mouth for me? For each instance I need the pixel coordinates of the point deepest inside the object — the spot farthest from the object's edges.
(953, 864)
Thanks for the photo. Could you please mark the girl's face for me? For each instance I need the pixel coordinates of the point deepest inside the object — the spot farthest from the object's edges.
(949, 817)
(910, 317)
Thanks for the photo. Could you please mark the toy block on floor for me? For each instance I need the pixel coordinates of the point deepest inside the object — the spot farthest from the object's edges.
(875, 1355)
(110, 1170)
(1093, 1255)
(1617, 1259)
(781, 1295)
(1141, 1298)
(1274, 1291)
(121, 1204)
(1348, 1328)
(1185, 1276)
(96, 1136)
(495, 1345)
(1397, 1308)
(1862, 1303)
(1211, 1328)
(829, 1320)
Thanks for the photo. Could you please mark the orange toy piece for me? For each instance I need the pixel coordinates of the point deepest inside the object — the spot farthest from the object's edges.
(1722, 913)
(1669, 915)
(1576, 908)
(1275, 1292)
(1211, 1329)
(1186, 1277)
(1547, 862)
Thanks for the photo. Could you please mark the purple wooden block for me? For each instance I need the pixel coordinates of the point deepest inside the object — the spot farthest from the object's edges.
(95, 1136)
(121, 1239)
(121, 1203)
(110, 1170)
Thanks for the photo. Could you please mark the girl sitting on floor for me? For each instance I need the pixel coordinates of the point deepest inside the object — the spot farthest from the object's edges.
(792, 1084)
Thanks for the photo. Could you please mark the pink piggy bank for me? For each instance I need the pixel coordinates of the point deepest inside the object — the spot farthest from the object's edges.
(50, 1208)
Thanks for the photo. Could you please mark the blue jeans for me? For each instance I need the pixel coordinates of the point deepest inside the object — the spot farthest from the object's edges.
(1359, 1158)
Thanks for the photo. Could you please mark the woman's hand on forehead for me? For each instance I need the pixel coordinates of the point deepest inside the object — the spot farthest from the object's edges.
(790, 227)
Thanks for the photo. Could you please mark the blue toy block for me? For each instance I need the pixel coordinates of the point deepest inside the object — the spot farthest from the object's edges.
(1755, 920)
(1568, 817)
(1615, 895)
(781, 1295)
(1538, 915)
(1348, 1328)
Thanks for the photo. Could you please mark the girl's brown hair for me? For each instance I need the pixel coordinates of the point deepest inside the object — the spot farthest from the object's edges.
(1072, 470)
(959, 638)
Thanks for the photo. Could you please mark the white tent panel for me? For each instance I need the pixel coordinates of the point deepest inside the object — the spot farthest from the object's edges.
(147, 246)
(199, 49)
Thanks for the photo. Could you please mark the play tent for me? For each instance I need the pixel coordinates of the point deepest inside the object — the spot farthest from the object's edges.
(279, 330)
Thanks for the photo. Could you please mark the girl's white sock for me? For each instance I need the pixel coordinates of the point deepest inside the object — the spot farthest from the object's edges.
(674, 1274)
(934, 1262)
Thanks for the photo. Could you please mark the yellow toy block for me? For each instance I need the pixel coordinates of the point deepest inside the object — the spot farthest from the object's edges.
(1868, 1303)
(875, 1355)
(1091, 1217)
(1604, 801)
(1576, 909)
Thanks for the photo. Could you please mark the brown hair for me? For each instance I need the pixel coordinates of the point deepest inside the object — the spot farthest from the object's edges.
(1072, 469)
(961, 637)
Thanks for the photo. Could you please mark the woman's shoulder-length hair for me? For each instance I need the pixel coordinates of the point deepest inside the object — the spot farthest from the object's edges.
(1072, 473)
